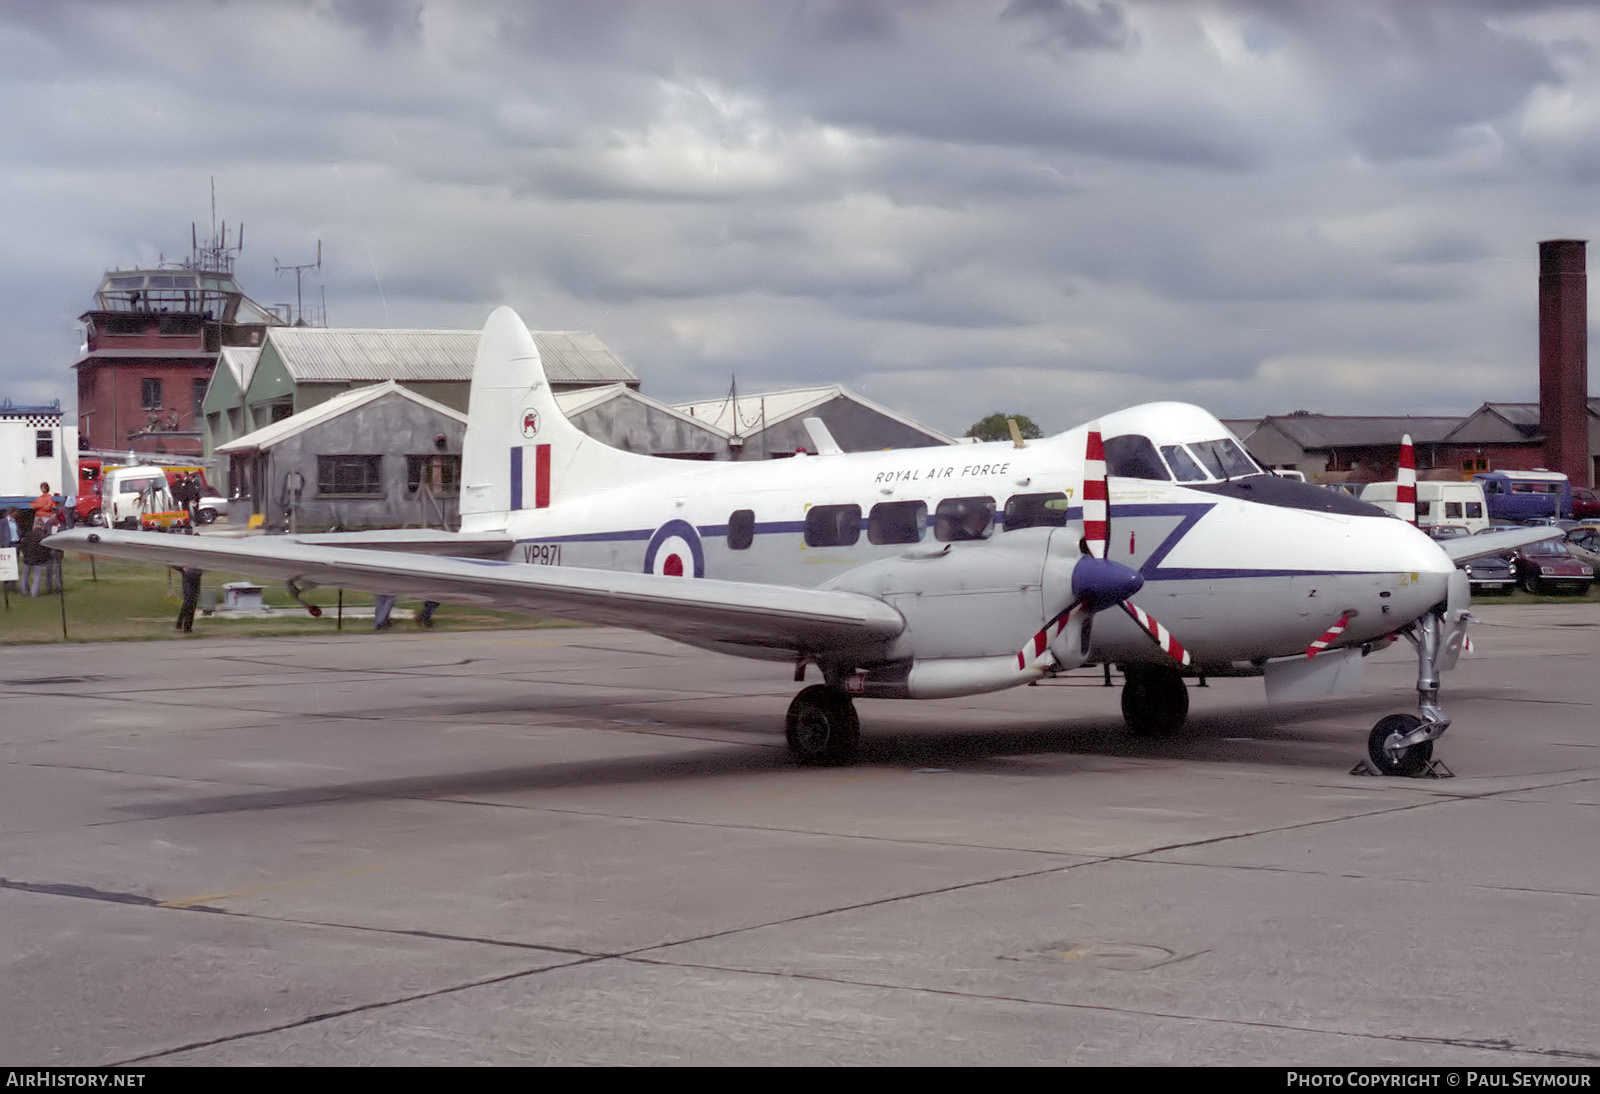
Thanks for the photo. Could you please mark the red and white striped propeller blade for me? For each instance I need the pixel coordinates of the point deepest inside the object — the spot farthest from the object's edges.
(1405, 491)
(1097, 537)
(1329, 635)
(1096, 496)
(1040, 642)
(1163, 637)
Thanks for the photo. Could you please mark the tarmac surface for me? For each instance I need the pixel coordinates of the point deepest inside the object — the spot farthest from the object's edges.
(586, 846)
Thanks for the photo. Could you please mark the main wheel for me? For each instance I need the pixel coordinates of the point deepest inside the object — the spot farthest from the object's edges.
(1411, 761)
(822, 727)
(1155, 701)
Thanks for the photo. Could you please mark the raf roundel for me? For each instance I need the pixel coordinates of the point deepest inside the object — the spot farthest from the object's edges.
(530, 423)
(675, 551)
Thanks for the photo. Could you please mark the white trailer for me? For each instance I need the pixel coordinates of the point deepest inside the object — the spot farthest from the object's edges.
(35, 447)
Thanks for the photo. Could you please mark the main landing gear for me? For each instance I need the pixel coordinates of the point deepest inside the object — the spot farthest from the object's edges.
(822, 727)
(1402, 744)
(1155, 700)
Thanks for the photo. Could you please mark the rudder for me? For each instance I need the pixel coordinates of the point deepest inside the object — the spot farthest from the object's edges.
(520, 451)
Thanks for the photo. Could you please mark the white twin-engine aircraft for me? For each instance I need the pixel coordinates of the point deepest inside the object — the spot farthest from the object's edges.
(915, 573)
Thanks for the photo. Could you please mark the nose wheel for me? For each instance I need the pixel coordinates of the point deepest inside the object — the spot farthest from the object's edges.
(1402, 744)
(822, 727)
(1392, 757)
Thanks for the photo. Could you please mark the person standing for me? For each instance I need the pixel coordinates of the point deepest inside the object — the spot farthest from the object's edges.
(44, 506)
(36, 559)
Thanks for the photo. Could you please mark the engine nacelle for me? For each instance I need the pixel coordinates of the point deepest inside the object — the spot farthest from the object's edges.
(969, 609)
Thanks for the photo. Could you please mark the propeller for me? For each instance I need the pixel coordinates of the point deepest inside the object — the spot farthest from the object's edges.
(1099, 582)
(1405, 490)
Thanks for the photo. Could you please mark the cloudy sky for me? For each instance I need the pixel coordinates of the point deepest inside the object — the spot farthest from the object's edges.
(1056, 207)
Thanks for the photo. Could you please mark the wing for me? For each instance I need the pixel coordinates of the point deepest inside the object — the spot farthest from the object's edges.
(1467, 548)
(759, 620)
(417, 541)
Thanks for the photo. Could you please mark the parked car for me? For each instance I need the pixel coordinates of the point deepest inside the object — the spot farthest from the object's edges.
(1548, 567)
(210, 507)
(1585, 503)
(1491, 574)
(1584, 544)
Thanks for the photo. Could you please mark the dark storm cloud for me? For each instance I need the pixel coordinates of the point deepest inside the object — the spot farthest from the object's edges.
(1236, 202)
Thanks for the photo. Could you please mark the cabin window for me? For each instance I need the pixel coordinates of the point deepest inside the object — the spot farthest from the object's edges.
(1424, 508)
(1224, 459)
(741, 529)
(1474, 509)
(1183, 465)
(350, 476)
(1452, 510)
(1032, 511)
(833, 525)
(963, 518)
(897, 522)
(1134, 457)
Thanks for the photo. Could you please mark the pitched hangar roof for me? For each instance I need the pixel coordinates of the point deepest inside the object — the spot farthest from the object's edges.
(1349, 431)
(343, 403)
(339, 355)
(757, 412)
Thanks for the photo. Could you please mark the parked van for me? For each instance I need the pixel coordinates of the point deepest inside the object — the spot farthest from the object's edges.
(128, 493)
(1526, 495)
(1461, 504)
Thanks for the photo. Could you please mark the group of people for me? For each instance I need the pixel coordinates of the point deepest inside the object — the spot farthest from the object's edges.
(187, 490)
(41, 567)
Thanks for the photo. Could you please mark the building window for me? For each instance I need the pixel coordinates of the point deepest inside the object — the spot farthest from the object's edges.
(741, 529)
(896, 522)
(150, 393)
(441, 475)
(44, 444)
(199, 390)
(279, 411)
(350, 476)
(1469, 466)
(833, 525)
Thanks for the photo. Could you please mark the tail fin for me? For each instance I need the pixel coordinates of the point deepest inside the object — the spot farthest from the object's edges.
(520, 451)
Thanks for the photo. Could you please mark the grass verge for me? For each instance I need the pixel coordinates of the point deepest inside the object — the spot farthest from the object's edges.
(110, 601)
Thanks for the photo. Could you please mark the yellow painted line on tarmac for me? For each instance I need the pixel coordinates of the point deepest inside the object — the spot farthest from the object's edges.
(191, 901)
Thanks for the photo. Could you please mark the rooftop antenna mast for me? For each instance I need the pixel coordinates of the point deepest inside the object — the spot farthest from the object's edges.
(299, 274)
(217, 254)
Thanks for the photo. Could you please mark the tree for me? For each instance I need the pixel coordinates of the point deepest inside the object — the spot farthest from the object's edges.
(993, 428)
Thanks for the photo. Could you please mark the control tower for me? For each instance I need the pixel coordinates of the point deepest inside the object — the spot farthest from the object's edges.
(151, 341)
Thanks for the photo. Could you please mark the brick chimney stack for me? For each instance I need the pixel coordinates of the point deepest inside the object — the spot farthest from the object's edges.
(1564, 357)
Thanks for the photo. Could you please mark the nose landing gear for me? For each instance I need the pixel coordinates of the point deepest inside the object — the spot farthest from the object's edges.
(1402, 744)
